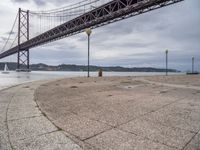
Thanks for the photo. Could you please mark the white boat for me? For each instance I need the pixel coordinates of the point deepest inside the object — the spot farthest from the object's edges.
(6, 70)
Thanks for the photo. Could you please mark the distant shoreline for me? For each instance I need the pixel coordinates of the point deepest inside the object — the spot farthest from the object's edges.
(80, 68)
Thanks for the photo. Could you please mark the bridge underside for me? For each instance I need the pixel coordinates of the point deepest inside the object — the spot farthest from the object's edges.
(108, 13)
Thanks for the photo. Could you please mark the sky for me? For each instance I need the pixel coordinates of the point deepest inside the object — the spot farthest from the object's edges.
(139, 41)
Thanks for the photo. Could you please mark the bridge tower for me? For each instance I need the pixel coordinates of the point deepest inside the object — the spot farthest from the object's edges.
(23, 35)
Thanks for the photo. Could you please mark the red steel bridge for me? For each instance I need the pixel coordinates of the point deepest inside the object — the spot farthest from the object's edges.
(35, 28)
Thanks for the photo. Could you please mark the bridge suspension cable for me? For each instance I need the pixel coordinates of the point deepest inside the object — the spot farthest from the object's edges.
(10, 34)
(42, 21)
(83, 3)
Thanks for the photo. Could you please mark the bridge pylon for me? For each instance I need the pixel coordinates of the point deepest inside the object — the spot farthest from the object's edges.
(23, 36)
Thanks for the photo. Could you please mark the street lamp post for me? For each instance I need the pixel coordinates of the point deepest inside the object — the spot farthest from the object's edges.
(193, 64)
(88, 32)
(166, 62)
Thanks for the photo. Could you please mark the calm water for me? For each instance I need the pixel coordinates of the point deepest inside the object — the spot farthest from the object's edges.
(14, 78)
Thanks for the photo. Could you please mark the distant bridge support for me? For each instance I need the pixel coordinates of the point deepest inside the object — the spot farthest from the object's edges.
(23, 36)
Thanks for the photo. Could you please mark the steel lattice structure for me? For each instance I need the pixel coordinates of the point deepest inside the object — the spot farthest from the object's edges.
(108, 13)
(23, 34)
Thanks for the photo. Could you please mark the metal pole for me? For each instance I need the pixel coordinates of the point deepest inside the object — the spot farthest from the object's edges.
(88, 32)
(19, 23)
(88, 56)
(28, 38)
(192, 64)
(166, 62)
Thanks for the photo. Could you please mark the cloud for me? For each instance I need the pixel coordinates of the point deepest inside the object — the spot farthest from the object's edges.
(40, 2)
(3, 38)
(10, 32)
(44, 2)
(37, 2)
(19, 1)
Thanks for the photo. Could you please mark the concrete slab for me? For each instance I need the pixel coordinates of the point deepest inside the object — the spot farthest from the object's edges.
(189, 104)
(194, 144)
(116, 115)
(80, 127)
(50, 141)
(2, 115)
(118, 140)
(24, 111)
(4, 140)
(172, 137)
(29, 127)
(174, 116)
(112, 115)
(174, 121)
(19, 101)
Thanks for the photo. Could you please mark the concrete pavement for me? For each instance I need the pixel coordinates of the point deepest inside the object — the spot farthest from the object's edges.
(103, 114)
(122, 113)
(24, 127)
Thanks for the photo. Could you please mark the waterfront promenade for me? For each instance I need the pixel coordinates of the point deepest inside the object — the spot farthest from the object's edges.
(102, 113)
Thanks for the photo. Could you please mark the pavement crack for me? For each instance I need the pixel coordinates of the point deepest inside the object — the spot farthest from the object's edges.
(39, 135)
(96, 134)
(190, 140)
(24, 118)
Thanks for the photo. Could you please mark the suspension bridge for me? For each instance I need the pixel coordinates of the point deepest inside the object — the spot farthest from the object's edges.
(34, 28)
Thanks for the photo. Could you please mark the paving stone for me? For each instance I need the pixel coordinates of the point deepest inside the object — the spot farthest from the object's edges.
(115, 112)
(81, 127)
(118, 140)
(29, 127)
(189, 104)
(4, 103)
(2, 115)
(19, 101)
(51, 141)
(116, 116)
(175, 116)
(4, 141)
(156, 132)
(194, 144)
(4, 96)
(120, 111)
(112, 115)
(23, 112)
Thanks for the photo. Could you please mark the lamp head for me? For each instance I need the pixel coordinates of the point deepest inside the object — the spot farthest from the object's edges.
(166, 51)
(88, 31)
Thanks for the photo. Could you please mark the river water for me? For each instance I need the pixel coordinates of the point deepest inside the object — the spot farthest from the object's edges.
(14, 78)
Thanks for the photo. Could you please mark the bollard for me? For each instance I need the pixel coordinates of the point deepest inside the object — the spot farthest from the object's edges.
(100, 72)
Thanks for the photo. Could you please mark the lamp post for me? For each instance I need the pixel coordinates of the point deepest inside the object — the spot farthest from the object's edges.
(88, 31)
(193, 64)
(166, 62)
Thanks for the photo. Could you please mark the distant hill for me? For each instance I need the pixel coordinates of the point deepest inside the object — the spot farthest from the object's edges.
(68, 67)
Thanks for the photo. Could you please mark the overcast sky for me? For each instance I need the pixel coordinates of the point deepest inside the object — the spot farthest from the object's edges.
(139, 41)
